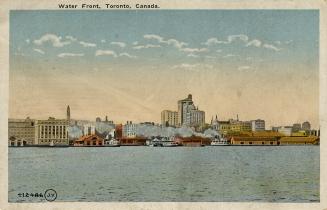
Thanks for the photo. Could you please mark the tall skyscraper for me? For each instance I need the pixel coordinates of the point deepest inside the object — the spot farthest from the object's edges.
(182, 109)
(188, 114)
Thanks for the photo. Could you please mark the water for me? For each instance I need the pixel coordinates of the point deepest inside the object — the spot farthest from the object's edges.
(232, 173)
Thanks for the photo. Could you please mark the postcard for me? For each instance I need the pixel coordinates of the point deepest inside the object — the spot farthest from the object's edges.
(163, 105)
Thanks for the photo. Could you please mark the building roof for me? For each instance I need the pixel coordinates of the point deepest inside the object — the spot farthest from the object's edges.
(89, 138)
(299, 138)
(254, 138)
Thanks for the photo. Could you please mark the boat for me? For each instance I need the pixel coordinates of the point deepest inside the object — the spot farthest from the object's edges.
(155, 143)
(218, 141)
(112, 143)
(169, 142)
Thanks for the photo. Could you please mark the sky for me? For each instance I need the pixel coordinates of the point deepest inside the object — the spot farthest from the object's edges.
(132, 64)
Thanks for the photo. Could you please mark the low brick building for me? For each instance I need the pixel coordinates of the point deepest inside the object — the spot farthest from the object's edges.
(192, 141)
(89, 141)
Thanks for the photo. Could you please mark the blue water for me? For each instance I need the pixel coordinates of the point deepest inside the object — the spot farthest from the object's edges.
(222, 173)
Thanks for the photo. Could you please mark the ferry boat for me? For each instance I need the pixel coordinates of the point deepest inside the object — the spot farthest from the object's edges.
(155, 143)
(169, 142)
(218, 141)
(112, 143)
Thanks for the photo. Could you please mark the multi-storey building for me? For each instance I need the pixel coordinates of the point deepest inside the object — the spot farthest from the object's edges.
(182, 109)
(286, 130)
(51, 131)
(129, 130)
(258, 125)
(224, 127)
(21, 132)
(296, 127)
(306, 126)
(169, 118)
(239, 126)
(188, 114)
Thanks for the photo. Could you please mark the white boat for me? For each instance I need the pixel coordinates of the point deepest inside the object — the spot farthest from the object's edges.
(219, 142)
(112, 143)
(169, 142)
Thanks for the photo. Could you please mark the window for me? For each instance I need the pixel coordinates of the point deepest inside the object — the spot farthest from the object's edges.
(271, 143)
(242, 142)
(250, 142)
(263, 142)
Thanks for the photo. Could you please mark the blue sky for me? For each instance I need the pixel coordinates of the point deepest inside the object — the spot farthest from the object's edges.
(238, 47)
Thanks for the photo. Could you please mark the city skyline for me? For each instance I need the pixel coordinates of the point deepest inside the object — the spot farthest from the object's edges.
(266, 71)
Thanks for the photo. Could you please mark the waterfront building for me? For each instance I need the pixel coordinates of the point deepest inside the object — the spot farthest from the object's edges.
(296, 127)
(299, 140)
(182, 109)
(239, 126)
(133, 141)
(306, 126)
(21, 132)
(224, 127)
(275, 128)
(189, 115)
(118, 131)
(254, 140)
(129, 130)
(215, 123)
(51, 130)
(89, 129)
(286, 130)
(258, 125)
(192, 141)
(169, 118)
(89, 140)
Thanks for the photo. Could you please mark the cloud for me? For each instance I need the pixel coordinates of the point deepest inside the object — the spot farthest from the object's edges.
(219, 51)
(71, 38)
(271, 47)
(87, 44)
(230, 39)
(192, 50)
(55, 40)
(210, 57)
(62, 55)
(27, 41)
(120, 44)
(39, 51)
(255, 42)
(135, 43)
(241, 37)
(106, 52)
(113, 54)
(103, 41)
(127, 55)
(146, 46)
(191, 66)
(241, 68)
(212, 41)
(192, 55)
(160, 39)
(229, 55)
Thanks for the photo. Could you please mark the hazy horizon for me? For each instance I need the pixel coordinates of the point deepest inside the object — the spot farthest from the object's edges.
(132, 64)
